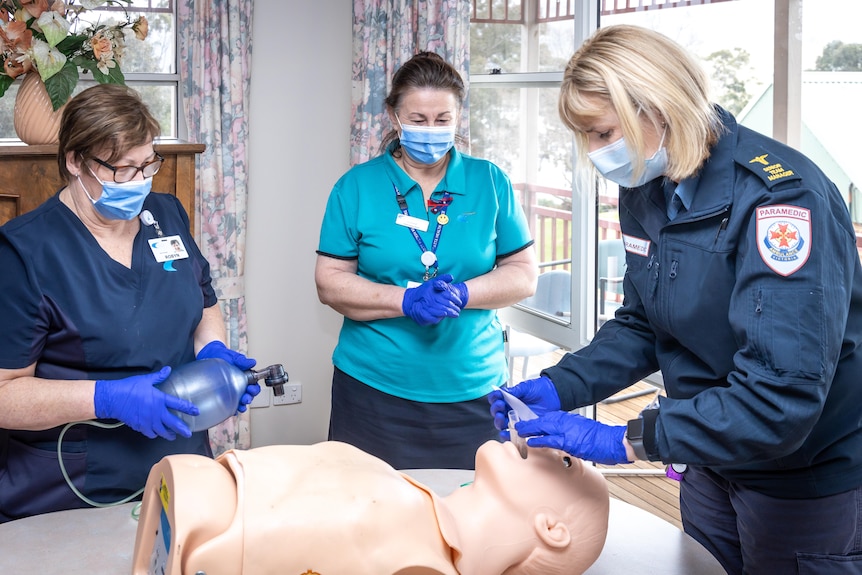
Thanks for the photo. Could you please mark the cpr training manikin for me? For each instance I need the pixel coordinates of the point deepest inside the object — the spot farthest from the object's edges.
(330, 508)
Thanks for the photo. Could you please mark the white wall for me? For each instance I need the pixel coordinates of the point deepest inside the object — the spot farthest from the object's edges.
(299, 125)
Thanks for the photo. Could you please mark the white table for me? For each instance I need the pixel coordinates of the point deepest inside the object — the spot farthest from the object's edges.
(101, 541)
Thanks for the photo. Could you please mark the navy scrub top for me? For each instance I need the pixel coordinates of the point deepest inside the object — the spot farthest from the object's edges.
(66, 305)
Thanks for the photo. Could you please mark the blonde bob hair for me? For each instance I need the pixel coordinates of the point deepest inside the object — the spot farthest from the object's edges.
(638, 71)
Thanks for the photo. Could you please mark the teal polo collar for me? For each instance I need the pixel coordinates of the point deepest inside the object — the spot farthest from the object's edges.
(454, 180)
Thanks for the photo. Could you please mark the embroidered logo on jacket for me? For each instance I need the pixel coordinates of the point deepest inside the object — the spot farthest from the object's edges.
(784, 237)
(774, 171)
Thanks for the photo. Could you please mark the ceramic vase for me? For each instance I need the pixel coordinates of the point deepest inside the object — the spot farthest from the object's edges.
(36, 121)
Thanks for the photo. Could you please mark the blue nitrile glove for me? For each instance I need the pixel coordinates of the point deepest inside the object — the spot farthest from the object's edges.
(432, 301)
(461, 291)
(577, 435)
(216, 349)
(538, 394)
(137, 403)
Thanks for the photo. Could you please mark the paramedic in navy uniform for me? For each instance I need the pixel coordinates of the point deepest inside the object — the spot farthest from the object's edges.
(93, 314)
(747, 297)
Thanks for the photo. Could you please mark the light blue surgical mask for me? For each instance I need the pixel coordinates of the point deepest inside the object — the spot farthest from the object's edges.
(120, 201)
(614, 162)
(427, 144)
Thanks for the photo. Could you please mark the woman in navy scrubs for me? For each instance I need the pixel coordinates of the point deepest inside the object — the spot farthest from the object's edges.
(96, 305)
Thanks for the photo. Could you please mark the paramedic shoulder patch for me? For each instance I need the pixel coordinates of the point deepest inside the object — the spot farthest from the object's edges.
(784, 237)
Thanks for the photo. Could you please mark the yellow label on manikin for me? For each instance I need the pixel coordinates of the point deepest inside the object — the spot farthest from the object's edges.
(164, 494)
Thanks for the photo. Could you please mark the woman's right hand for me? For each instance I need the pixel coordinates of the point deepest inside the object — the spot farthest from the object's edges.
(538, 394)
(139, 404)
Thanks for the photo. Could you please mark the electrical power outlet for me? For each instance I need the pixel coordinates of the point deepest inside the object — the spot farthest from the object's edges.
(262, 399)
(292, 394)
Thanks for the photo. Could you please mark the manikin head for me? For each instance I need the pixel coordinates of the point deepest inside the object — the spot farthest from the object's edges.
(542, 515)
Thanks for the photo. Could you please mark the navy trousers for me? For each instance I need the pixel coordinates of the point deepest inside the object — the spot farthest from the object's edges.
(755, 534)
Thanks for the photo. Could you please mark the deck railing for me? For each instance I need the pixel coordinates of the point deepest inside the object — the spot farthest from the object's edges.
(551, 227)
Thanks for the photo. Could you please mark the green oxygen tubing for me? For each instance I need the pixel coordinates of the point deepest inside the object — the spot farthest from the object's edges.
(68, 479)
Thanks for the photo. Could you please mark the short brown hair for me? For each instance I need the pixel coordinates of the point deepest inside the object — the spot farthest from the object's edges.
(104, 121)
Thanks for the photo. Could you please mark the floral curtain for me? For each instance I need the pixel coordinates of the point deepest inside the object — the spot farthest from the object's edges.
(386, 33)
(215, 67)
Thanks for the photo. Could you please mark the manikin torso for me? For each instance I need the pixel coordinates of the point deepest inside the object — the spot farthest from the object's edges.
(337, 513)
(306, 510)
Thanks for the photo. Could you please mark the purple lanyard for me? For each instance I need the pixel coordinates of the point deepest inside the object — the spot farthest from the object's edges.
(439, 207)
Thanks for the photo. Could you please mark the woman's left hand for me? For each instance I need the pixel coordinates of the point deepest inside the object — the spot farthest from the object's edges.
(577, 435)
(432, 301)
(218, 350)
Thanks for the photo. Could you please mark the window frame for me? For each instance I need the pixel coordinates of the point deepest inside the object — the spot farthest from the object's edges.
(579, 329)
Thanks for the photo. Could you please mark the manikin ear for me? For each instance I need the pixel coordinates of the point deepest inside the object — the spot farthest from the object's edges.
(552, 531)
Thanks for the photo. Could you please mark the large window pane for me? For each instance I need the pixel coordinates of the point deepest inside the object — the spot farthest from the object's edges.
(156, 54)
(495, 48)
(510, 47)
(740, 63)
(519, 130)
(556, 43)
(831, 95)
(161, 98)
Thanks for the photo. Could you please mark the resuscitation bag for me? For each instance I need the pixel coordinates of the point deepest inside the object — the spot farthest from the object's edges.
(214, 385)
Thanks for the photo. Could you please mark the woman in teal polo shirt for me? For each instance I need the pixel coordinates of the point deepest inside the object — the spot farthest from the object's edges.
(418, 249)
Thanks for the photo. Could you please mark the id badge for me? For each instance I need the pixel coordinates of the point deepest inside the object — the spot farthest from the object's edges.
(411, 222)
(168, 248)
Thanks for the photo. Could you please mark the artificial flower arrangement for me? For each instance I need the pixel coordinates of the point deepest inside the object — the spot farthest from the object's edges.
(51, 38)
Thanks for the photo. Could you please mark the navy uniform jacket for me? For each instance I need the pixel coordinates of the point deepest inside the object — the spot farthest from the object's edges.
(750, 304)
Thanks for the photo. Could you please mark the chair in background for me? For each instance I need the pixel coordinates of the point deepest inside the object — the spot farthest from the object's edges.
(554, 297)
(611, 260)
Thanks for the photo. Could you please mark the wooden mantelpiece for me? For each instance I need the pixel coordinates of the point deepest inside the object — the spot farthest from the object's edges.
(29, 175)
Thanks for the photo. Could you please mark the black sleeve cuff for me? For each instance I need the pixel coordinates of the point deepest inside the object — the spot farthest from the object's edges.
(650, 444)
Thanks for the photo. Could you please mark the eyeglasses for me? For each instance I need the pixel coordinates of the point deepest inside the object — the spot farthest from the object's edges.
(123, 174)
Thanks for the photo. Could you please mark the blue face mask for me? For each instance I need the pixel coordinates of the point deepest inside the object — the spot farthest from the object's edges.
(427, 144)
(614, 162)
(120, 201)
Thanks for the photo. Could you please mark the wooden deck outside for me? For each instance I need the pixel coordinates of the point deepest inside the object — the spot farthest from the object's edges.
(650, 490)
(655, 493)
